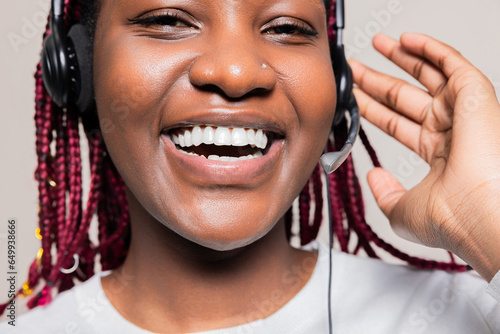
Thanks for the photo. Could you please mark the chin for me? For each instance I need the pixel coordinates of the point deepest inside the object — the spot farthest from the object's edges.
(225, 245)
(223, 234)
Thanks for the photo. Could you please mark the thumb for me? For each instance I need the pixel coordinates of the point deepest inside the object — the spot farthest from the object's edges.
(385, 188)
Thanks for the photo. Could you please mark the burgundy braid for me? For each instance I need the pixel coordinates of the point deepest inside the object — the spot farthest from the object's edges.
(66, 227)
(304, 209)
(318, 198)
(369, 148)
(113, 236)
(338, 230)
(63, 222)
(309, 231)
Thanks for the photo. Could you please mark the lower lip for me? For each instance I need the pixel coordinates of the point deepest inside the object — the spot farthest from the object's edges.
(225, 172)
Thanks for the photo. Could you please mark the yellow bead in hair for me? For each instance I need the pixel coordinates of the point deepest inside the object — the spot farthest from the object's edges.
(39, 256)
(26, 289)
(37, 234)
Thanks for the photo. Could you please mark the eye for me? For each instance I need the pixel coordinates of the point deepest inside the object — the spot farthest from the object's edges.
(286, 27)
(167, 19)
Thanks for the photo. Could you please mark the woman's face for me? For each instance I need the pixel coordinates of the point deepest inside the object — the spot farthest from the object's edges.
(229, 75)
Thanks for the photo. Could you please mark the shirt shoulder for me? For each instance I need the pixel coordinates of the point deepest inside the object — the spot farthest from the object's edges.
(402, 299)
(81, 310)
(60, 316)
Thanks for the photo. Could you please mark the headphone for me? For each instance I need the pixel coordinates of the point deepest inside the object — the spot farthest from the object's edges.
(66, 62)
(345, 99)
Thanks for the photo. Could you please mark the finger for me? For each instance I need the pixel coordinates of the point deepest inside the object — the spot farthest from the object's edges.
(399, 95)
(401, 128)
(404, 209)
(422, 70)
(443, 56)
(386, 189)
(470, 93)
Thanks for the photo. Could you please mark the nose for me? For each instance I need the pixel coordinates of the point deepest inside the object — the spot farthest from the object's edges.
(234, 67)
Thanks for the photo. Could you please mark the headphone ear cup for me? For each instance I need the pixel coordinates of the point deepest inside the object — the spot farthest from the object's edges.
(81, 77)
(54, 74)
(343, 80)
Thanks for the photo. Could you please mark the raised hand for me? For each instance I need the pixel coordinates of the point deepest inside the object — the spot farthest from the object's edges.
(455, 127)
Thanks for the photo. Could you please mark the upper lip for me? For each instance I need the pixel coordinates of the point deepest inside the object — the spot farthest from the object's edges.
(231, 118)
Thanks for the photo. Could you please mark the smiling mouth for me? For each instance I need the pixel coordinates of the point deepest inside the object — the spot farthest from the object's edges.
(222, 143)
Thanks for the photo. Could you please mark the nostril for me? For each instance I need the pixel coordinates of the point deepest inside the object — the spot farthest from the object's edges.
(261, 92)
(210, 88)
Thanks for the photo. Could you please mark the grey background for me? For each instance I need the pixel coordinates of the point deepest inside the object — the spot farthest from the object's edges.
(473, 30)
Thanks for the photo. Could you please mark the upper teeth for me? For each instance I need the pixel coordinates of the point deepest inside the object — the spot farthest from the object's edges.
(220, 136)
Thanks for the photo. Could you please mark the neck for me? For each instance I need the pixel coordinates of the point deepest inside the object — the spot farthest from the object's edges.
(169, 284)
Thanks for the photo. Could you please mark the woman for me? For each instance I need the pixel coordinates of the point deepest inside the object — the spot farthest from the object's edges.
(208, 247)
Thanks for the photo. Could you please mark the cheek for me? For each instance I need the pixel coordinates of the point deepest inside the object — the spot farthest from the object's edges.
(130, 88)
(310, 85)
(128, 84)
(316, 97)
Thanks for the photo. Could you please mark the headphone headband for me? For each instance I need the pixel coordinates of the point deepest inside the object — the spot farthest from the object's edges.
(339, 14)
(57, 9)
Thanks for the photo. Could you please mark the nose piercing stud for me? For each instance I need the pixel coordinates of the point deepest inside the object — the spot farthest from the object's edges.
(264, 66)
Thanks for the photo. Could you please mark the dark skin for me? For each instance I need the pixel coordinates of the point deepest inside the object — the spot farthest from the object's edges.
(219, 240)
(208, 246)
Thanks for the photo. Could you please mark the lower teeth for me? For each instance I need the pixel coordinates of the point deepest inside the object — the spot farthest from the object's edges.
(225, 158)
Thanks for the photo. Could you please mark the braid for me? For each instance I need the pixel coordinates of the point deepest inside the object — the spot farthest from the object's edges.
(369, 148)
(63, 223)
(355, 208)
(337, 214)
(115, 234)
(61, 179)
(318, 198)
(304, 207)
(309, 230)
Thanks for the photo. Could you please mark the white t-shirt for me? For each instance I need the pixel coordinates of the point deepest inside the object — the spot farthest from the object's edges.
(368, 296)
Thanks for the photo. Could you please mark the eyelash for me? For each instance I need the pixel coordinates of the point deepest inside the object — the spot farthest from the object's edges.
(294, 26)
(168, 18)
